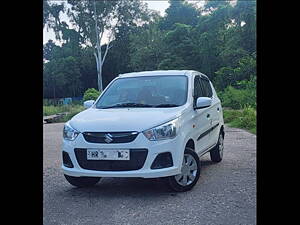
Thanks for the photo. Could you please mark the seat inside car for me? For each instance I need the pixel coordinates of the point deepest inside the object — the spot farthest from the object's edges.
(145, 95)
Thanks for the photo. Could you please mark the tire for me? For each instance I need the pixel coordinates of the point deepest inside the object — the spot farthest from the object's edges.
(216, 154)
(190, 172)
(82, 181)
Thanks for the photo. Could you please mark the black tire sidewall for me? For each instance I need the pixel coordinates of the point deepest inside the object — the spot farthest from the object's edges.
(172, 181)
(215, 152)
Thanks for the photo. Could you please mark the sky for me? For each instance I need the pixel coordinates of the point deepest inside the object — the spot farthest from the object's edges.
(160, 6)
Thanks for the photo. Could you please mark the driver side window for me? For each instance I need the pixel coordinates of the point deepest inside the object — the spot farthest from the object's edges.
(198, 91)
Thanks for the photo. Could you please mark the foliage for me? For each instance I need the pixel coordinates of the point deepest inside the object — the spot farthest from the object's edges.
(146, 47)
(62, 75)
(71, 111)
(51, 109)
(179, 12)
(244, 70)
(245, 118)
(238, 98)
(218, 39)
(91, 94)
(75, 109)
(230, 114)
(93, 18)
(71, 108)
(179, 48)
(51, 16)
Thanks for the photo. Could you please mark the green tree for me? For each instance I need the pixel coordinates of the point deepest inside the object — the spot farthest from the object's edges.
(54, 79)
(62, 78)
(49, 50)
(91, 94)
(240, 34)
(231, 75)
(210, 39)
(46, 12)
(218, 39)
(146, 48)
(244, 14)
(94, 18)
(179, 11)
(87, 68)
(71, 70)
(179, 48)
(123, 47)
(51, 16)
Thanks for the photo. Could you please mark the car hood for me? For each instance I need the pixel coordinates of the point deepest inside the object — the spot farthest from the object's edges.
(123, 119)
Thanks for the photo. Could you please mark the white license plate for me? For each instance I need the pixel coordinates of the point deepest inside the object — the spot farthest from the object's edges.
(98, 154)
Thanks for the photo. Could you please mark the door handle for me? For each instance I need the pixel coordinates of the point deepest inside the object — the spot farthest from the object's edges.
(218, 109)
(208, 115)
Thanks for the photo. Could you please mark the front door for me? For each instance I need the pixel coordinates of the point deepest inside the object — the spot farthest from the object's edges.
(202, 119)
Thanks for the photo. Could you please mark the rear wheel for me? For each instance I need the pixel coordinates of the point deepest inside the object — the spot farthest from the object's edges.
(216, 154)
(190, 172)
(82, 181)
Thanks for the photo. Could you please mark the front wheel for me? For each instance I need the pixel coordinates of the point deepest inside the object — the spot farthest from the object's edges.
(190, 172)
(82, 181)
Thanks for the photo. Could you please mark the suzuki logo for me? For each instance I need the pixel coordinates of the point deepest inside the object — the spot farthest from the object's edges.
(108, 138)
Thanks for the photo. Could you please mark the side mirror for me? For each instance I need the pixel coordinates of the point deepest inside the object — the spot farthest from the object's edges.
(203, 102)
(88, 104)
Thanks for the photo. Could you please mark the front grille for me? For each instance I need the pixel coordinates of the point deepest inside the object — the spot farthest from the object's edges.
(110, 137)
(137, 160)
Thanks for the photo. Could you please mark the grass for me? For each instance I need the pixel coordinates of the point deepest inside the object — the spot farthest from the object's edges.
(51, 110)
(244, 118)
(72, 110)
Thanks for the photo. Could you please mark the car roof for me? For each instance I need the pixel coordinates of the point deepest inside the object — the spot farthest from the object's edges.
(160, 73)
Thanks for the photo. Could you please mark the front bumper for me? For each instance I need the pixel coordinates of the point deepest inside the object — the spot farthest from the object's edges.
(174, 146)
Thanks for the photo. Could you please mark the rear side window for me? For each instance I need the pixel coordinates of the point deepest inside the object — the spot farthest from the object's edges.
(206, 87)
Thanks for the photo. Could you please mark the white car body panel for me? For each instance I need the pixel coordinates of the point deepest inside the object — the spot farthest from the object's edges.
(193, 123)
(123, 119)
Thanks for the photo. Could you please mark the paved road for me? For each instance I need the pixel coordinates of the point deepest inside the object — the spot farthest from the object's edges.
(224, 194)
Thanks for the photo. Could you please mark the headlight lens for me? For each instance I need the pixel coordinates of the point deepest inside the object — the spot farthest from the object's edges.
(165, 131)
(69, 133)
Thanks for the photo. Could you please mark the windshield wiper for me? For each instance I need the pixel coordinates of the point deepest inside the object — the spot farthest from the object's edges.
(128, 104)
(165, 105)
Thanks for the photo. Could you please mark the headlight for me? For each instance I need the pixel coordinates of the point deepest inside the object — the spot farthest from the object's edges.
(69, 133)
(165, 131)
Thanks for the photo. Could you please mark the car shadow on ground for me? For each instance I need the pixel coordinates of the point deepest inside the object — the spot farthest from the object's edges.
(114, 188)
(206, 163)
(131, 187)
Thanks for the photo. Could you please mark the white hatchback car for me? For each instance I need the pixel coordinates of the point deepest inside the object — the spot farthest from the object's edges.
(146, 124)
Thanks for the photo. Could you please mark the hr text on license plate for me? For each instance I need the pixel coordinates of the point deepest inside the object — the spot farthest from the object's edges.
(98, 154)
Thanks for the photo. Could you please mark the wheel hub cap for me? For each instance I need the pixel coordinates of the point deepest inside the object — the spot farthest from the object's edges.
(188, 171)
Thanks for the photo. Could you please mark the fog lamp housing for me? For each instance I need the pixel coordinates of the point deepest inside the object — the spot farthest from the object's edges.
(162, 160)
(67, 160)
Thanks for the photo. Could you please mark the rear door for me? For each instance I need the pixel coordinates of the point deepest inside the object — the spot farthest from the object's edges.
(202, 119)
(213, 110)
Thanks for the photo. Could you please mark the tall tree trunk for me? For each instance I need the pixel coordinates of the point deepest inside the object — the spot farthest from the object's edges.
(100, 86)
(99, 69)
(98, 55)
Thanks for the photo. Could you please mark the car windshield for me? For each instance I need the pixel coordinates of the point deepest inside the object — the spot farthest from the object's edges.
(146, 91)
